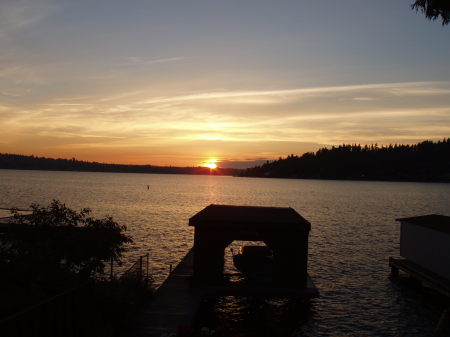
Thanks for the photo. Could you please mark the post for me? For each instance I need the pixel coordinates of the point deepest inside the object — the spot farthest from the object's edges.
(140, 268)
(394, 271)
(443, 321)
(394, 267)
(147, 268)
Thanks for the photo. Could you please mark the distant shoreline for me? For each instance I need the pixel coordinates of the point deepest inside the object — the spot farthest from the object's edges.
(96, 171)
(426, 161)
(22, 162)
(240, 176)
(422, 162)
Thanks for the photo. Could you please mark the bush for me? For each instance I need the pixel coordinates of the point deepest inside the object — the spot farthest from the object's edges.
(58, 240)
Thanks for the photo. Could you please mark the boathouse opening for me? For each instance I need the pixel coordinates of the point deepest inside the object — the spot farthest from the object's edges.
(282, 229)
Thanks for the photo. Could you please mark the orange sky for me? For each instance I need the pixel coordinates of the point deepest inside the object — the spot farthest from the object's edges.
(165, 83)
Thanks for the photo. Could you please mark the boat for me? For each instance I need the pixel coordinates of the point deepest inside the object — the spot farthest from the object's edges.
(254, 262)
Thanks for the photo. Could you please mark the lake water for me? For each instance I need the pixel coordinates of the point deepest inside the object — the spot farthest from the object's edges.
(353, 233)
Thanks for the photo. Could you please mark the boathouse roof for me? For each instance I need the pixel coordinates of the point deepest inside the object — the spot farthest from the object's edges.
(437, 222)
(263, 217)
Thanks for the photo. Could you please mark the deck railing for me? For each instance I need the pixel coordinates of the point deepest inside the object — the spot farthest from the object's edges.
(139, 271)
(79, 311)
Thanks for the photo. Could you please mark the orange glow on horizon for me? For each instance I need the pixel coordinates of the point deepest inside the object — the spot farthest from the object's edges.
(211, 163)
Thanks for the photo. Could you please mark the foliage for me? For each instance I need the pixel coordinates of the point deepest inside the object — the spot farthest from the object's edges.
(56, 241)
(425, 161)
(433, 9)
(55, 214)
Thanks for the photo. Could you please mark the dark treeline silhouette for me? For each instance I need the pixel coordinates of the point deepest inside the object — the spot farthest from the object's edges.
(22, 162)
(433, 9)
(425, 161)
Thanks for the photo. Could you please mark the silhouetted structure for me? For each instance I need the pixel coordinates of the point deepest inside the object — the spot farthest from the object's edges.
(200, 273)
(425, 240)
(283, 230)
(425, 248)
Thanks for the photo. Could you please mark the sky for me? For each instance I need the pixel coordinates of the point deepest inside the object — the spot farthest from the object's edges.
(240, 82)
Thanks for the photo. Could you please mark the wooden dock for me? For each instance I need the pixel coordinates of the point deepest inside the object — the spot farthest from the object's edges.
(428, 279)
(176, 302)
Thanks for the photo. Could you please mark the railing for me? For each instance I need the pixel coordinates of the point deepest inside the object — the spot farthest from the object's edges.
(5, 216)
(83, 311)
(138, 271)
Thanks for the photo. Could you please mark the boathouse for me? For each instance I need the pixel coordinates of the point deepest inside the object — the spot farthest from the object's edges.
(200, 273)
(282, 229)
(425, 240)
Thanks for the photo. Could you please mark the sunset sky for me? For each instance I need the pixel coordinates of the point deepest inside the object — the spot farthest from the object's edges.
(182, 82)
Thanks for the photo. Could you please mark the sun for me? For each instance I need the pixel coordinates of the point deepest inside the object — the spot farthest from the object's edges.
(211, 164)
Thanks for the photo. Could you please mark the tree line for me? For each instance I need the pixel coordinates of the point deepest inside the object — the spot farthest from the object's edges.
(425, 161)
(23, 162)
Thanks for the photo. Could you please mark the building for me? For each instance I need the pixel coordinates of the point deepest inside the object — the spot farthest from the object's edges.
(425, 240)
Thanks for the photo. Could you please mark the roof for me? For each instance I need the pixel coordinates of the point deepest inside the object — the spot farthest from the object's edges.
(228, 215)
(434, 221)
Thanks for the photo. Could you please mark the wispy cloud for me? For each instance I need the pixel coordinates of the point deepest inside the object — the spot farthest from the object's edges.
(135, 60)
(10, 93)
(319, 115)
(400, 89)
(363, 98)
(121, 96)
(20, 14)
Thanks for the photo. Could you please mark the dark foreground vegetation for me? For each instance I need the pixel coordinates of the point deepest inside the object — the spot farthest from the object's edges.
(425, 161)
(434, 9)
(21, 162)
(53, 280)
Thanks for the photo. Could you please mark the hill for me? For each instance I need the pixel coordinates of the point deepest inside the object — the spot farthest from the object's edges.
(425, 161)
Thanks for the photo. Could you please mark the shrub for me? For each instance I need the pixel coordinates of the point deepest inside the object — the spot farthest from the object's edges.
(56, 239)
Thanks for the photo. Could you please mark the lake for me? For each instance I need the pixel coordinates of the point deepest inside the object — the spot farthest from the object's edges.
(353, 233)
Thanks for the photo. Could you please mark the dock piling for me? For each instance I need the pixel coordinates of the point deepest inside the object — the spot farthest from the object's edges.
(444, 321)
(428, 278)
(147, 257)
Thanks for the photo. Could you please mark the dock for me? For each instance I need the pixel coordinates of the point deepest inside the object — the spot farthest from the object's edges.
(200, 274)
(426, 278)
(176, 301)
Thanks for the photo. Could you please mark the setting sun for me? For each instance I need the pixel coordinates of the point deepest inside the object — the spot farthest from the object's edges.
(211, 163)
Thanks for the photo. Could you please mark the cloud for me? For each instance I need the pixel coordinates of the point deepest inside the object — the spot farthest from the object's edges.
(278, 123)
(363, 98)
(20, 14)
(134, 60)
(399, 89)
(121, 96)
(242, 164)
(10, 93)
